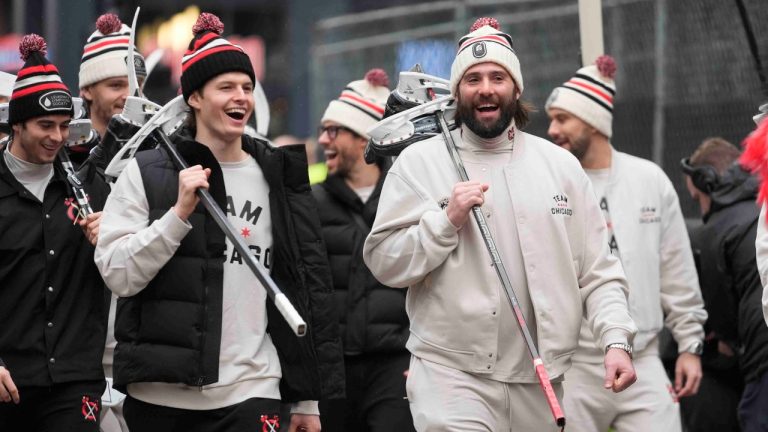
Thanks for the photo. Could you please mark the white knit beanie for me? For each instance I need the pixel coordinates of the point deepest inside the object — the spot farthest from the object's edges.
(589, 95)
(105, 52)
(485, 43)
(361, 103)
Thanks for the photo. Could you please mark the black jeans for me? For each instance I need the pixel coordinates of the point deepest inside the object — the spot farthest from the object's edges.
(68, 407)
(376, 399)
(753, 408)
(255, 414)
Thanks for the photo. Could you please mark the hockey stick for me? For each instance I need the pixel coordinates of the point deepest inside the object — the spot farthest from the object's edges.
(84, 208)
(501, 272)
(590, 30)
(284, 305)
(753, 49)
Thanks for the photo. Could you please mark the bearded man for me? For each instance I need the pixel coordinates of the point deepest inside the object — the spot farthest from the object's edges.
(470, 369)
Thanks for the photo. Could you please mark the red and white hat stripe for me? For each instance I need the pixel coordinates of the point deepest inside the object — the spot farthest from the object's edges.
(354, 99)
(489, 38)
(217, 45)
(110, 42)
(37, 78)
(598, 92)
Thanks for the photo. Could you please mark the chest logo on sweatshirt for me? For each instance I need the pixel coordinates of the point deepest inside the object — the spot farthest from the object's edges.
(649, 215)
(443, 202)
(561, 205)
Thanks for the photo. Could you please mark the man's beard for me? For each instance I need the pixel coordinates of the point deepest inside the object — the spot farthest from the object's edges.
(465, 112)
(344, 164)
(580, 145)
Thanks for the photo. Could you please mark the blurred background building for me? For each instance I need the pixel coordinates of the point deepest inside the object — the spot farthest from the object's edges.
(685, 71)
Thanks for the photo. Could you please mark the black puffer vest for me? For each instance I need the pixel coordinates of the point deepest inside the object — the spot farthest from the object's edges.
(171, 331)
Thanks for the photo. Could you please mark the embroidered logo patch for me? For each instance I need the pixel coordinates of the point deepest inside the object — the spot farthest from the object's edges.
(552, 97)
(89, 409)
(649, 215)
(73, 210)
(270, 424)
(443, 203)
(479, 50)
(561, 205)
(55, 101)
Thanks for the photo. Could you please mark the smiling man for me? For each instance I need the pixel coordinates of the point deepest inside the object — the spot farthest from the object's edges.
(470, 369)
(104, 70)
(371, 315)
(199, 347)
(53, 306)
(648, 234)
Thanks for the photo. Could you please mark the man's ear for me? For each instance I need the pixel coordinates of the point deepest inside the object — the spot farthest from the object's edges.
(85, 93)
(194, 100)
(363, 141)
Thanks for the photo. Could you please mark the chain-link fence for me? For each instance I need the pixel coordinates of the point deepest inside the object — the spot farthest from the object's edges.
(684, 67)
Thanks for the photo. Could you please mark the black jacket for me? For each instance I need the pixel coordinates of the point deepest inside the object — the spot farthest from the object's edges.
(171, 331)
(730, 281)
(53, 302)
(372, 315)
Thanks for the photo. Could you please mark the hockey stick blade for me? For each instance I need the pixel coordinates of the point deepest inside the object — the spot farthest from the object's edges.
(169, 117)
(401, 127)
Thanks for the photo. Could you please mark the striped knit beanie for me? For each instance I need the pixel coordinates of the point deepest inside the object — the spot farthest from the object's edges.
(361, 103)
(38, 90)
(210, 55)
(105, 52)
(589, 95)
(485, 43)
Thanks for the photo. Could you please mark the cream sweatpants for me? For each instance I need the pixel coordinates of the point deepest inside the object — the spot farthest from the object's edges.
(445, 399)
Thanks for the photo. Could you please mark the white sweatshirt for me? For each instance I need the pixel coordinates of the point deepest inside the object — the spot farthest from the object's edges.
(454, 296)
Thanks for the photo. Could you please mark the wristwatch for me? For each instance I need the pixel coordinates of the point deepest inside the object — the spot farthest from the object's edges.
(696, 348)
(621, 346)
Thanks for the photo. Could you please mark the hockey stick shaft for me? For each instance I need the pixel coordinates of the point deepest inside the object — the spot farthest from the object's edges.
(501, 272)
(81, 197)
(753, 49)
(284, 305)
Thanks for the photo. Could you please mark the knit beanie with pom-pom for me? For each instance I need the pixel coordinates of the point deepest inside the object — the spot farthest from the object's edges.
(361, 103)
(589, 95)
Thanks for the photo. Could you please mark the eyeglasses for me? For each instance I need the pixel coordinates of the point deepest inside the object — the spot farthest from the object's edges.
(332, 131)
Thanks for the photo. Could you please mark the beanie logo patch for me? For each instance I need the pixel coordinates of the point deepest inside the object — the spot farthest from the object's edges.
(138, 65)
(56, 101)
(479, 50)
(552, 98)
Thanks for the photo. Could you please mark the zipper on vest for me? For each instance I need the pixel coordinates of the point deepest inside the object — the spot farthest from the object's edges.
(204, 332)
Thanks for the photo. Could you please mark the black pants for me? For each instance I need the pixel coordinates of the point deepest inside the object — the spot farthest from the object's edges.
(68, 407)
(375, 396)
(753, 408)
(255, 414)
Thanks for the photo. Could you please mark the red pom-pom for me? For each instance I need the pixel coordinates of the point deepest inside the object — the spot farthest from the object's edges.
(32, 43)
(484, 21)
(377, 77)
(108, 23)
(208, 22)
(755, 157)
(606, 65)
